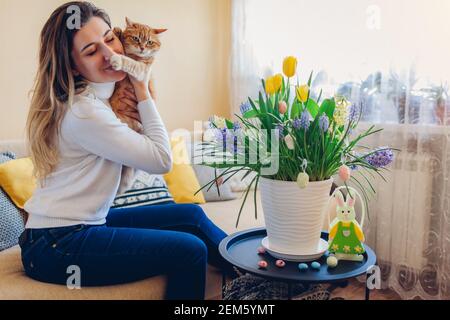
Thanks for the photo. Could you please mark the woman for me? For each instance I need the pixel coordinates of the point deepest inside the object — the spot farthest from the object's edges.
(79, 149)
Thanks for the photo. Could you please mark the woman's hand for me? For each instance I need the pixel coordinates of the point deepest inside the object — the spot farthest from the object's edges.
(141, 89)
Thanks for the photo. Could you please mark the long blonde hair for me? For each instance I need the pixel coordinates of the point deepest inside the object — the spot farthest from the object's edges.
(55, 85)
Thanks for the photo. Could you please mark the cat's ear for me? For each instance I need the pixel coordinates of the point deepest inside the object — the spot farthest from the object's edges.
(129, 22)
(118, 32)
(158, 31)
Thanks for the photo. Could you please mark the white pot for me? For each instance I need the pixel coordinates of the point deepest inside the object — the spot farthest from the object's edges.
(294, 216)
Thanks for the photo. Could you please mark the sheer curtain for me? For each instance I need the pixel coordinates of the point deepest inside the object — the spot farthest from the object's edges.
(393, 57)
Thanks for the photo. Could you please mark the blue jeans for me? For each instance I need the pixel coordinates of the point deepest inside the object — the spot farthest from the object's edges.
(135, 243)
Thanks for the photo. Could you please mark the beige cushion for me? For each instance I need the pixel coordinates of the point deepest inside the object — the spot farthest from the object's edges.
(16, 285)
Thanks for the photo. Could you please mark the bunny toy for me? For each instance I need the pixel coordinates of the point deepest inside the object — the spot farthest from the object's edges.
(346, 235)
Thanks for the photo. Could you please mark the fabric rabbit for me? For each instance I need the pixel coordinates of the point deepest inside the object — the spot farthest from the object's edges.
(346, 235)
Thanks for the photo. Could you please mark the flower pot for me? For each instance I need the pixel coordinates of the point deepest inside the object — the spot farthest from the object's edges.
(294, 216)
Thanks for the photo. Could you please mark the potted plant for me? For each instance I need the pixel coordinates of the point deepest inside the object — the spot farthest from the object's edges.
(295, 146)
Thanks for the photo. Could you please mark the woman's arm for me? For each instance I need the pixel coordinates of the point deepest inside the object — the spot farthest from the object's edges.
(97, 129)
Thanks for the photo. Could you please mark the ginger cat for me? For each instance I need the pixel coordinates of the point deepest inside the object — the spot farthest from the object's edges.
(140, 43)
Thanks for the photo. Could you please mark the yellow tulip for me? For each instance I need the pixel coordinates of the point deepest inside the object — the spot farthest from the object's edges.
(277, 81)
(289, 66)
(270, 88)
(273, 84)
(302, 92)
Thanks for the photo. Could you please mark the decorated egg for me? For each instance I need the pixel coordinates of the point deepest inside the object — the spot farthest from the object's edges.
(302, 180)
(302, 266)
(315, 265)
(262, 264)
(261, 250)
(280, 263)
(344, 172)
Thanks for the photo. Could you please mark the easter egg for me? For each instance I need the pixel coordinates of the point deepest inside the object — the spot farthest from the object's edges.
(332, 261)
(280, 263)
(261, 250)
(315, 265)
(302, 180)
(302, 266)
(262, 264)
(344, 172)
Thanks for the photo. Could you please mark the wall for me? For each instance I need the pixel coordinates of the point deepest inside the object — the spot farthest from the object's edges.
(191, 72)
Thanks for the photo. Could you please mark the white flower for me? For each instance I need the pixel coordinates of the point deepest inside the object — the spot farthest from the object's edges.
(219, 122)
(289, 142)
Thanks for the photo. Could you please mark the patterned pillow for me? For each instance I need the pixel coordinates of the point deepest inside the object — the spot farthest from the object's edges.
(145, 190)
(12, 220)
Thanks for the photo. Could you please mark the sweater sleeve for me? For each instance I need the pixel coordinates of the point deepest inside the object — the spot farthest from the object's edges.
(95, 127)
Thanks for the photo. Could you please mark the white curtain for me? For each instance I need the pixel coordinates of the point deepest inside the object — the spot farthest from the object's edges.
(392, 56)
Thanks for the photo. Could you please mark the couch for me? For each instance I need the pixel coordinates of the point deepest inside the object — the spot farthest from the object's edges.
(14, 284)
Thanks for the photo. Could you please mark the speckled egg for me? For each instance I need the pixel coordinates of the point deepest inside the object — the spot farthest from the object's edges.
(280, 263)
(261, 250)
(302, 266)
(262, 264)
(315, 265)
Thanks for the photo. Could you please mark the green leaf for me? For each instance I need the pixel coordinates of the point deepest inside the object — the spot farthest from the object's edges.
(253, 104)
(295, 110)
(262, 104)
(312, 107)
(275, 106)
(327, 107)
(250, 114)
(229, 124)
(310, 79)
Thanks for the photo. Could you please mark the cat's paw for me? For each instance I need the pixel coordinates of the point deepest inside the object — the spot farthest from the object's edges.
(116, 62)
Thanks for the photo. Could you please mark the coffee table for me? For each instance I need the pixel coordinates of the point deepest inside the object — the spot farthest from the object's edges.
(240, 249)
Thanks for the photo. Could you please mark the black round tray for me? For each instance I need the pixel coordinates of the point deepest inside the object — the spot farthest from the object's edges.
(240, 249)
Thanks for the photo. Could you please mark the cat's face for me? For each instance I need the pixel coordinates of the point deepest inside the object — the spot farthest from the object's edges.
(141, 40)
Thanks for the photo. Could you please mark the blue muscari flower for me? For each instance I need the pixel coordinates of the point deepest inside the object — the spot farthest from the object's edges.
(380, 157)
(324, 123)
(280, 130)
(353, 113)
(236, 125)
(245, 106)
(304, 120)
(296, 123)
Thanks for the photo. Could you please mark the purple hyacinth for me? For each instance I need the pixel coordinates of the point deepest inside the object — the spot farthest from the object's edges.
(380, 157)
(324, 123)
(245, 107)
(296, 123)
(279, 131)
(304, 120)
(220, 134)
(353, 113)
(236, 125)
(228, 139)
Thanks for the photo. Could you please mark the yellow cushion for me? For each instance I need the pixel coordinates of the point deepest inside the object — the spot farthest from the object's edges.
(181, 180)
(17, 180)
